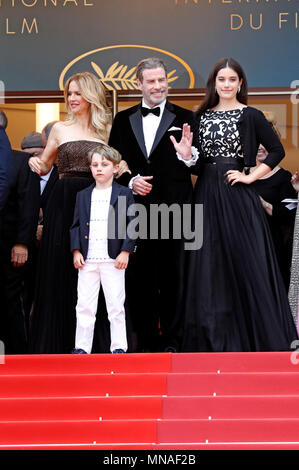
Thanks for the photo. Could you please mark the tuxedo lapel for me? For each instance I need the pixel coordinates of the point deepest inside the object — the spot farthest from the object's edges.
(167, 118)
(136, 124)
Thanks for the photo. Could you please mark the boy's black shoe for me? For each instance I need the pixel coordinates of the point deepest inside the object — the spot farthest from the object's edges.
(118, 351)
(78, 351)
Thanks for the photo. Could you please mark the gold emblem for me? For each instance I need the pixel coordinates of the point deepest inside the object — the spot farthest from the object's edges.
(118, 76)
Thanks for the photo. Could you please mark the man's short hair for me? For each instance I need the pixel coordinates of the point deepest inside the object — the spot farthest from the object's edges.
(3, 119)
(109, 153)
(47, 129)
(147, 64)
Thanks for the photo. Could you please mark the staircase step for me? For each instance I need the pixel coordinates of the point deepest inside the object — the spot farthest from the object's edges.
(230, 446)
(230, 407)
(236, 362)
(82, 385)
(233, 383)
(77, 432)
(87, 408)
(85, 363)
(228, 430)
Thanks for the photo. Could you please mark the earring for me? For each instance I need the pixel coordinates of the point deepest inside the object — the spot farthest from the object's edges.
(216, 90)
(239, 89)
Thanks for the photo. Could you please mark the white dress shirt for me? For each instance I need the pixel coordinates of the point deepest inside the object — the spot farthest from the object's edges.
(150, 124)
(98, 226)
(44, 180)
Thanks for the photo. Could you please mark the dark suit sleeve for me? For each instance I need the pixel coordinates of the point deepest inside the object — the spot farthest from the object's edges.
(268, 138)
(5, 167)
(129, 243)
(116, 140)
(75, 228)
(27, 205)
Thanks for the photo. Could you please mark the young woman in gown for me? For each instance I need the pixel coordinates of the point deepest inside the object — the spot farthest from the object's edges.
(53, 319)
(235, 297)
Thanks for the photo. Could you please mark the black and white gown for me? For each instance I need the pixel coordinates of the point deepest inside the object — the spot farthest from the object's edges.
(235, 296)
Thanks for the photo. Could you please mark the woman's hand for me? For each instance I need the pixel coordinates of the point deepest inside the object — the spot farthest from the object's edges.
(295, 181)
(35, 165)
(123, 168)
(183, 147)
(235, 176)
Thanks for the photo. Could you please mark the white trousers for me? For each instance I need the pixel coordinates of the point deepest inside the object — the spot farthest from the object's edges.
(90, 278)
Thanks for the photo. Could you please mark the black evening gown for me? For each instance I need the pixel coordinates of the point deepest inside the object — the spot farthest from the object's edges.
(53, 320)
(274, 189)
(235, 296)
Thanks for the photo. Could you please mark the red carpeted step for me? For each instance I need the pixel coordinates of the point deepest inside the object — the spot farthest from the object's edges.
(82, 385)
(129, 446)
(230, 407)
(77, 432)
(85, 363)
(70, 408)
(270, 383)
(231, 362)
(224, 430)
(229, 446)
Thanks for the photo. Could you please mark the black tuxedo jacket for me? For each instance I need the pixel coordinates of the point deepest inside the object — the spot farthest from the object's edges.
(119, 220)
(18, 218)
(5, 167)
(21, 211)
(171, 177)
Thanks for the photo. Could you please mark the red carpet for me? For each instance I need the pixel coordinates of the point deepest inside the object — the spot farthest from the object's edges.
(150, 401)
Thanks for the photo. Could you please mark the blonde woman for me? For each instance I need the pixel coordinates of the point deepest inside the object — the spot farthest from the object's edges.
(87, 125)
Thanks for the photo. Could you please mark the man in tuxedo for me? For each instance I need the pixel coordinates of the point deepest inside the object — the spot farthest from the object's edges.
(18, 251)
(5, 161)
(155, 275)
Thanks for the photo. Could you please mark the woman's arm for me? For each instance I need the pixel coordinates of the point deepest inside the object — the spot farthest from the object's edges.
(235, 176)
(42, 165)
(269, 139)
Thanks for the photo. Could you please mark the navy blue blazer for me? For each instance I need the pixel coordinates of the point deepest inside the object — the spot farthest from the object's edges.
(118, 220)
(5, 167)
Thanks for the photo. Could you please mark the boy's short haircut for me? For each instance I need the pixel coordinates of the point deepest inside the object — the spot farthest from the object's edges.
(109, 153)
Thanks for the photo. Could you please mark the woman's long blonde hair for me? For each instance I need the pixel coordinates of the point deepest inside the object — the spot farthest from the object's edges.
(93, 92)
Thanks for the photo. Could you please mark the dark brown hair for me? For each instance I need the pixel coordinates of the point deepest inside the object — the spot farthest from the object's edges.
(212, 99)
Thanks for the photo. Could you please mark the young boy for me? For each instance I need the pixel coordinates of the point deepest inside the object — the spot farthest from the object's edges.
(99, 258)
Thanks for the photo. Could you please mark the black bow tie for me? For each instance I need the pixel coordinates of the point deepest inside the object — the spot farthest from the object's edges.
(146, 111)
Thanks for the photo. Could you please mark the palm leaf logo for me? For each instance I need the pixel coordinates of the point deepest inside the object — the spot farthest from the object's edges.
(121, 77)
